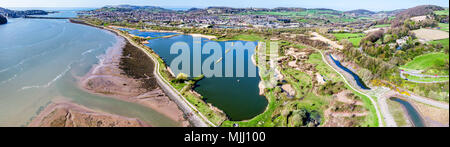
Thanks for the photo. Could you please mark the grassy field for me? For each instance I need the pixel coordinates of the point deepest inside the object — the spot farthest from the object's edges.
(382, 26)
(444, 42)
(443, 12)
(243, 37)
(397, 112)
(443, 26)
(427, 62)
(354, 38)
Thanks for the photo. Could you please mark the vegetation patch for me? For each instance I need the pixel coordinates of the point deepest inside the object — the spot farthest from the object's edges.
(443, 42)
(442, 12)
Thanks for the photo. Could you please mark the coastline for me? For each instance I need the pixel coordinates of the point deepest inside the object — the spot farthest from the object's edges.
(195, 117)
(209, 37)
(110, 78)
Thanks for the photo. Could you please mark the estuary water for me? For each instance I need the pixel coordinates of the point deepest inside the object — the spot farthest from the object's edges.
(40, 61)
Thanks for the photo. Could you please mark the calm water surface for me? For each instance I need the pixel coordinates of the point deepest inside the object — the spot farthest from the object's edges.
(238, 97)
(412, 113)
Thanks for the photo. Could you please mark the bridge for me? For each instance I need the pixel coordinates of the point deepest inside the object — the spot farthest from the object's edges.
(43, 17)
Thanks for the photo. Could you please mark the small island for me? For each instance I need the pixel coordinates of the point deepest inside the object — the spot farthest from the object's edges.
(3, 20)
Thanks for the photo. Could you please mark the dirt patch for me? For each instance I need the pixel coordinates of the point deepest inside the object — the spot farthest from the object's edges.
(434, 117)
(67, 114)
(429, 34)
(333, 44)
(345, 110)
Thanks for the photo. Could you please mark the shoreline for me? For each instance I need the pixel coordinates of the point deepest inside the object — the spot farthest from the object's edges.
(64, 113)
(107, 78)
(209, 37)
(195, 117)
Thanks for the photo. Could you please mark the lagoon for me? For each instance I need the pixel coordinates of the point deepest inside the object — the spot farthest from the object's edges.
(238, 97)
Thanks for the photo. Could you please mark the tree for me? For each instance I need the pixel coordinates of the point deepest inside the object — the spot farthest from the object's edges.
(181, 77)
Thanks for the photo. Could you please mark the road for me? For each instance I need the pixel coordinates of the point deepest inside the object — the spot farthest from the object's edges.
(333, 44)
(418, 74)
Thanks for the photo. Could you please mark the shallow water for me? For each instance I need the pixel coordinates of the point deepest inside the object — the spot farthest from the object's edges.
(40, 61)
(412, 113)
(357, 79)
(147, 34)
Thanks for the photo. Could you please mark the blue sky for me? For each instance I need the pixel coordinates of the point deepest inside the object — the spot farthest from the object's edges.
(375, 5)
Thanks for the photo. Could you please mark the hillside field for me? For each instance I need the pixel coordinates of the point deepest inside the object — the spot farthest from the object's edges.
(354, 38)
(427, 61)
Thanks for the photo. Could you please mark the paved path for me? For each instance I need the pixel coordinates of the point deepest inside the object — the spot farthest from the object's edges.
(383, 96)
(418, 74)
(333, 44)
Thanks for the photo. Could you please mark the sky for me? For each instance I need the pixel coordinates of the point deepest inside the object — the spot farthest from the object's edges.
(374, 5)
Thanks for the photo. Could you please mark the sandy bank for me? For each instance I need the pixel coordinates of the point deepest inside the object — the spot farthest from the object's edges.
(67, 114)
(126, 74)
(203, 36)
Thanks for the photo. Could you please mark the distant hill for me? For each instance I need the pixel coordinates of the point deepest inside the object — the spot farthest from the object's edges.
(418, 11)
(131, 8)
(3, 20)
(360, 12)
(16, 14)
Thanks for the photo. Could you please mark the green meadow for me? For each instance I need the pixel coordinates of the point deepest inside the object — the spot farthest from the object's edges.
(354, 38)
(444, 42)
(443, 12)
(427, 62)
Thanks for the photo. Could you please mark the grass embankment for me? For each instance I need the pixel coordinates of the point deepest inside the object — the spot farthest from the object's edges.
(431, 63)
(443, 42)
(397, 112)
(354, 38)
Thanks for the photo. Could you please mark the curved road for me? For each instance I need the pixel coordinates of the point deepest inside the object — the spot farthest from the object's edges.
(418, 74)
